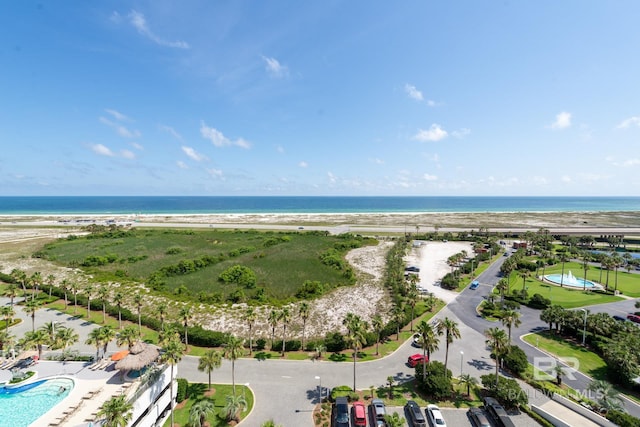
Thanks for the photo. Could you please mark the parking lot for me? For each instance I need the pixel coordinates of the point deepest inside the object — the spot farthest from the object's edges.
(458, 417)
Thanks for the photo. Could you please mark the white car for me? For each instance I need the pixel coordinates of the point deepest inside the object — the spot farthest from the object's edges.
(435, 416)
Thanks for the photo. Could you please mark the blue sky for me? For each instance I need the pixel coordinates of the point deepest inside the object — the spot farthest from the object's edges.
(320, 98)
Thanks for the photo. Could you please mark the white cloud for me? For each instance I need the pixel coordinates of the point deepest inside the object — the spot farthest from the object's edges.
(377, 161)
(218, 139)
(280, 149)
(182, 165)
(413, 92)
(565, 178)
(303, 164)
(121, 130)
(428, 177)
(193, 154)
(635, 120)
(171, 131)
(216, 173)
(275, 68)
(127, 154)
(563, 121)
(461, 133)
(431, 103)
(102, 150)
(137, 146)
(139, 22)
(434, 133)
(631, 162)
(117, 115)
(540, 180)
(332, 178)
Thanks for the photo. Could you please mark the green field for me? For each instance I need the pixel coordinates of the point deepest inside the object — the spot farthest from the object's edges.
(282, 262)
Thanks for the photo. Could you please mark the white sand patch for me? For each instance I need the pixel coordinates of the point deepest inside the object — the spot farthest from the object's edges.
(432, 257)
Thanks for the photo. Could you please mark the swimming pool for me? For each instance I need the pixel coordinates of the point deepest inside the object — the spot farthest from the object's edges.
(21, 406)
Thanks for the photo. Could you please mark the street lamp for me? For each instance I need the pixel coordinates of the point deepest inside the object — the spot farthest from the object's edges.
(319, 389)
(461, 359)
(584, 326)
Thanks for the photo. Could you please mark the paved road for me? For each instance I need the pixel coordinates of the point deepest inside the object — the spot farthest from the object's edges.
(464, 308)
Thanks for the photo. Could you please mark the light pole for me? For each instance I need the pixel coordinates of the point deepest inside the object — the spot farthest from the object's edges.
(319, 389)
(584, 326)
(461, 359)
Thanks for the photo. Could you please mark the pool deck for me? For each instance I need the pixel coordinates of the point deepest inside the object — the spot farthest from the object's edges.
(91, 389)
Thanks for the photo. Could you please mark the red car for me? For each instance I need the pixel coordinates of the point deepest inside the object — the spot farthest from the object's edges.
(359, 415)
(416, 359)
(634, 318)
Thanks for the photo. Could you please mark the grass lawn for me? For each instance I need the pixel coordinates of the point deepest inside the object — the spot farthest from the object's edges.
(198, 392)
(566, 298)
(407, 391)
(589, 362)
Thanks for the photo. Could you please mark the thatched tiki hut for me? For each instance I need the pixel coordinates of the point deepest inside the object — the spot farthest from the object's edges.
(140, 355)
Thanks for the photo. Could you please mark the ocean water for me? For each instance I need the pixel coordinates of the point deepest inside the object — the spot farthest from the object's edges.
(105, 205)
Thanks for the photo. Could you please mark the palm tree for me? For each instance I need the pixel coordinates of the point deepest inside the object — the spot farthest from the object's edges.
(200, 411)
(137, 300)
(355, 339)
(21, 277)
(468, 381)
(510, 318)
(129, 336)
(118, 298)
(211, 360)
(412, 299)
(117, 411)
(11, 292)
(36, 280)
(168, 333)
(89, 291)
(30, 308)
(390, 381)
(428, 342)
(103, 292)
(7, 312)
(36, 339)
(64, 285)
(273, 322)
(285, 317)
(66, 337)
(563, 258)
(234, 405)
(586, 257)
(250, 317)
(394, 420)
(524, 274)
(74, 288)
(450, 329)
(51, 279)
(173, 351)
(398, 317)
(107, 334)
(50, 329)
(606, 396)
(95, 339)
(161, 311)
(304, 311)
(6, 339)
(377, 325)
(233, 350)
(503, 288)
(498, 343)
(186, 314)
(616, 262)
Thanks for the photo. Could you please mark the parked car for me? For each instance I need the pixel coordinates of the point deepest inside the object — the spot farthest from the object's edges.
(378, 411)
(497, 412)
(25, 363)
(341, 412)
(415, 414)
(435, 416)
(415, 340)
(416, 359)
(412, 268)
(634, 318)
(474, 285)
(359, 414)
(478, 418)
(619, 318)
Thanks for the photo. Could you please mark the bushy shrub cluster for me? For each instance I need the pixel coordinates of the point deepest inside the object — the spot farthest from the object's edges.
(183, 388)
(343, 390)
(508, 391)
(436, 382)
(289, 345)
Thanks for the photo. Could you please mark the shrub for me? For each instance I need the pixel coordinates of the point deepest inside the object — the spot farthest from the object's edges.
(183, 387)
(437, 382)
(239, 275)
(334, 342)
(623, 419)
(292, 345)
(508, 390)
(516, 360)
(539, 302)
(343, 390)
(261, 343)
